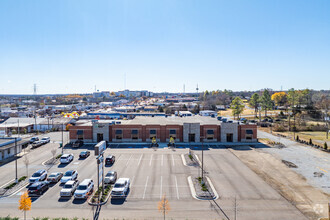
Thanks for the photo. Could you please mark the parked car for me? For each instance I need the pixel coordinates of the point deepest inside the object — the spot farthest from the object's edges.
(84, 189)
(84, 154)
(38, 188)
(55, 177)
(121, 187)
(36, 144)
(45, 140)
(110, 159)
(69, 175)
(38, 176)
(66, 158)
(69, 188)
(34, 139)
(110, 177)
(78, 143)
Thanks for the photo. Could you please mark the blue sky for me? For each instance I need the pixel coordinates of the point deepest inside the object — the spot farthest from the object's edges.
(71, 46)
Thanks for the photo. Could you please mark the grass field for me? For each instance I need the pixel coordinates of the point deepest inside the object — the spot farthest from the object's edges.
(318, 136)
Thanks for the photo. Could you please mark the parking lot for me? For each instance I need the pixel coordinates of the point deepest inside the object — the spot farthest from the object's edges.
(154, 173)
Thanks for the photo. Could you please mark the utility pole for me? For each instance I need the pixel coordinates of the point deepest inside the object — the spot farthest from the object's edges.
(16, 179)
(18, 127)
(62, 140)
(202, 161)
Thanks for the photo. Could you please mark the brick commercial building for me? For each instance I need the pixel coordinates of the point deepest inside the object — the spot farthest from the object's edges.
(183, 129)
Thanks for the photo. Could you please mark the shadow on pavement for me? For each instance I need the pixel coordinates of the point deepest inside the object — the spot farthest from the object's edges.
(79, 201)
(64, 199)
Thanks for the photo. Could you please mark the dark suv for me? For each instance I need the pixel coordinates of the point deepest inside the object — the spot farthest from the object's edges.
(110, 159)
(38, 188)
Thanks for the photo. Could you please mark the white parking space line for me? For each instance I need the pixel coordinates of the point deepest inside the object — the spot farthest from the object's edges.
(151, 159)
(162, 160)
(177, 189)
(7, 183)
(129, 159)
(161, 186)
(140, 159)
(132, 180)
(173, 160)
(145, 188)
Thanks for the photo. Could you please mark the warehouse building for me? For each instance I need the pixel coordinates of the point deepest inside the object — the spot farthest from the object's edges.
(192, 129)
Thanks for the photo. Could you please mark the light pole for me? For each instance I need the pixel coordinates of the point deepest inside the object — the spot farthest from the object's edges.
(62, 140)
(16, 179)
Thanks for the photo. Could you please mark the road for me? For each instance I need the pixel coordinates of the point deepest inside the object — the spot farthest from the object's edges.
(154, 173)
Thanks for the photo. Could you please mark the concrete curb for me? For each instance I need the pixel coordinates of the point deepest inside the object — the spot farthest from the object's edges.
(193, 191)
(183, 160)
(197, 158)
(216, 196)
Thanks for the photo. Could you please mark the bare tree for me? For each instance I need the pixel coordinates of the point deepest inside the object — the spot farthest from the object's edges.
(53, 151)
(26, 162)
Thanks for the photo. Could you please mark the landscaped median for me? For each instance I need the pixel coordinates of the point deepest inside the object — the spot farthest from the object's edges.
(93, 200)
(202, 190)
(52, 161)
(12, 187)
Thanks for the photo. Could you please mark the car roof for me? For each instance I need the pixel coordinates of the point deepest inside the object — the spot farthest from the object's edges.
(40, 171)
(111, 172)
(122, 180)
(65, 155)
(109, 156)
(37, 183)
(70, 182)
(85, 182)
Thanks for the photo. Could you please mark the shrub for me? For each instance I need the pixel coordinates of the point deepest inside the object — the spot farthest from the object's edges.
(58, 156)
(190, 156)
(22, 178)
(325, 146)
(310, 141)
(297, 138)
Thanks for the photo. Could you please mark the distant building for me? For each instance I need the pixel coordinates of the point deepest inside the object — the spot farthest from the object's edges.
(101, 94)
(8, 148)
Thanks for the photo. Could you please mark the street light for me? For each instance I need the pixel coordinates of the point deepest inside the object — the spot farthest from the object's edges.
(16, 179)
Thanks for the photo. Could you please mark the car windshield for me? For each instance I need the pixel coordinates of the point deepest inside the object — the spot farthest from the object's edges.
(82, 187)
(110, 174)
(52, 175)
(119, 185)
(33, 188)
(68, 173)
(84, 152)
(36, 175)
(44, 139)
(63, 157)
(67, 186)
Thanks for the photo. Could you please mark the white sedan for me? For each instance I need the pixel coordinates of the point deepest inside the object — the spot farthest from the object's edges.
(69, 175)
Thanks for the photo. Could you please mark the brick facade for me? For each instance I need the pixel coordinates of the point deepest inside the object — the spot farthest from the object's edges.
(142, 133)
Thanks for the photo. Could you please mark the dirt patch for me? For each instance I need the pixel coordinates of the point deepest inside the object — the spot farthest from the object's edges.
(191, 160)
(288, 183)
(289, 164)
